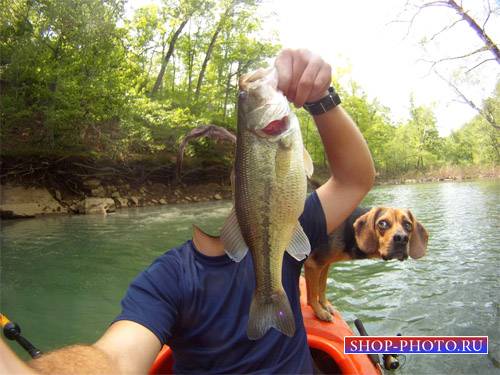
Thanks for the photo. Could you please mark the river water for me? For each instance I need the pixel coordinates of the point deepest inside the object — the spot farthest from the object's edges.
(62, 277)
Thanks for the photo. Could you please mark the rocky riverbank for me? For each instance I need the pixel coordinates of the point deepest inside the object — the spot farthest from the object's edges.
(45, 187)
(42, 185)
(97, 197)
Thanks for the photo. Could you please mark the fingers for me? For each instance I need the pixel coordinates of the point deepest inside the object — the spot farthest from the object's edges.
(322, 83)
(302, 76)
(306, 86)
(284, 65)
(300, 60)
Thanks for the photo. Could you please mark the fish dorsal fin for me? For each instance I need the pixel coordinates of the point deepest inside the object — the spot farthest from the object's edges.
(299, 246)
(232, 239)
(308, 164)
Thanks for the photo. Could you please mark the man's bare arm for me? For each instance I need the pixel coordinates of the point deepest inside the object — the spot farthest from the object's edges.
(305, 77)
(125, 348)
(351, 166)
(76, 359)
(10, 363)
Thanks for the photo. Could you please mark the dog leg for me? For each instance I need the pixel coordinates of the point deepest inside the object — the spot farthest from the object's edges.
(312, 272)
(322, 290)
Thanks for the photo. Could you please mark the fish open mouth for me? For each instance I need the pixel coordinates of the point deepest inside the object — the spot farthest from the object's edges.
(277, 127)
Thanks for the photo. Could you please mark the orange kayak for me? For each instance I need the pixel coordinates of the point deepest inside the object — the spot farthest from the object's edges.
(326, 341)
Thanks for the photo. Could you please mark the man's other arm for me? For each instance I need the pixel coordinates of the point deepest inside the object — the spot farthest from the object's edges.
(305, 77)
(125, 348)
(350, 163)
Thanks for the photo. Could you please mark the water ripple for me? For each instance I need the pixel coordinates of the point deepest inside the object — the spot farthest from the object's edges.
(60, 268)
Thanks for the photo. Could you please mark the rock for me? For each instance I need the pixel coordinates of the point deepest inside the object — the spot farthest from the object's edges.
(134, 201)
(92, 183)
(98, 205)
(211, 186)
(158, 187)
(115, 194)
(98, 192)
(162, 201)
(18, 201)
(57, 193)
(121, 202)
(187, 198)
(217, 196)
(154, 201)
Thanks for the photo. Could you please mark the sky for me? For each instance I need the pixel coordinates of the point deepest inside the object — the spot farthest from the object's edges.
(362, 38)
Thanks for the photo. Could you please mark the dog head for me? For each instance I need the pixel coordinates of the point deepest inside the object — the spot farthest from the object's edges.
(390, 233)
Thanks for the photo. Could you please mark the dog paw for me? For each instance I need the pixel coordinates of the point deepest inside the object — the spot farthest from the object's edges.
(328, 307)
(324, 315)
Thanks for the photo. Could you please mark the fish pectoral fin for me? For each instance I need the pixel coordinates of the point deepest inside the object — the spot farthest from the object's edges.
(299, 246)
(232, 239)
(308, 164)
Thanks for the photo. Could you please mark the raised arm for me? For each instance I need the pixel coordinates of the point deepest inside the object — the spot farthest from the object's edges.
(125, 348)
(305, 77)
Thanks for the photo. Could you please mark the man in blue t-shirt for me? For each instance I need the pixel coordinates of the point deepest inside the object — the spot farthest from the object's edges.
(196, 300)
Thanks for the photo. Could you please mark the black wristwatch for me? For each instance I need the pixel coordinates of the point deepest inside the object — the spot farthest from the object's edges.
(324, 104)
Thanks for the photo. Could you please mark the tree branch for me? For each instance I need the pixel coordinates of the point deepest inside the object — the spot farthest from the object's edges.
(486, 115)
(448, 27)
(481, 63)
(434, 63)
(488, 42)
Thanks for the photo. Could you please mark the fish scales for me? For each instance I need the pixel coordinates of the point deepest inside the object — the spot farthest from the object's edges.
(269, 193)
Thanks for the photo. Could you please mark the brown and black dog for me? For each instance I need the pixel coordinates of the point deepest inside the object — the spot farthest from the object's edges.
(379, 232)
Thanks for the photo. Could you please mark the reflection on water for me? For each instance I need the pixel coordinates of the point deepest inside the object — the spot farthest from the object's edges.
(62, 277)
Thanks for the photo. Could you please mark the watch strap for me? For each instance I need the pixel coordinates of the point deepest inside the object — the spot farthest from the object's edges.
(324, 104)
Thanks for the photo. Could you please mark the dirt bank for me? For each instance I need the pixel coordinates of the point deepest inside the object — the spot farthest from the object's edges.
(31, 187)
(74, 185)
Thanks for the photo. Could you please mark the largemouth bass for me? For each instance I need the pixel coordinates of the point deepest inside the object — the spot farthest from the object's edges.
(269, 193)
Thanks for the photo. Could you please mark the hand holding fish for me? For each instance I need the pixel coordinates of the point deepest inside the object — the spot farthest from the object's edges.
(302, 76)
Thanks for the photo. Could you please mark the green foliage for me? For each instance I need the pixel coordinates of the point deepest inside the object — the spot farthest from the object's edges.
(78, 77)
(73, 81)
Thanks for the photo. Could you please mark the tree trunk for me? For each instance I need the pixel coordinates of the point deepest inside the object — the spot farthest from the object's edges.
(173, 75)
(228, 86)
(479, 31)
(169, 54)
(210, 49)
(207, 58)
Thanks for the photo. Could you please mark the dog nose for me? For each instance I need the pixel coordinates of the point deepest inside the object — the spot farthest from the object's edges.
(400, 238)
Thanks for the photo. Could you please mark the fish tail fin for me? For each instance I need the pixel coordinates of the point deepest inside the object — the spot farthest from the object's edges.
(267, 313)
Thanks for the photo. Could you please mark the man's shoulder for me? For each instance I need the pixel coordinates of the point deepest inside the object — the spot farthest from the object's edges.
(172, 261)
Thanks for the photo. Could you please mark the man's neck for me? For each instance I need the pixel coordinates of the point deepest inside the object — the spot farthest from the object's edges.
(207, 245)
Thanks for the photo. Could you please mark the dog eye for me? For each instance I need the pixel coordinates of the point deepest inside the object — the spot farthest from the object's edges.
(408, 226)
(383, 224)
(242, 95)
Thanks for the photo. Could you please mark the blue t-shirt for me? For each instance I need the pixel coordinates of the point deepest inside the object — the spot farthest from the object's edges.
(199, 305)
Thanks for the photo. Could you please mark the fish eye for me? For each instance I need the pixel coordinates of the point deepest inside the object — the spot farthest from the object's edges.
(242, 94)
(383, 224)
(408, 226)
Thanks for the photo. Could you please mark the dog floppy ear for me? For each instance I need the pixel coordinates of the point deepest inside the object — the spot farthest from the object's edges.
(364, 231)
(418, 238)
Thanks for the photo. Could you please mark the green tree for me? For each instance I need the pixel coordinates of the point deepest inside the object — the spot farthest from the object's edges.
(63, 73)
